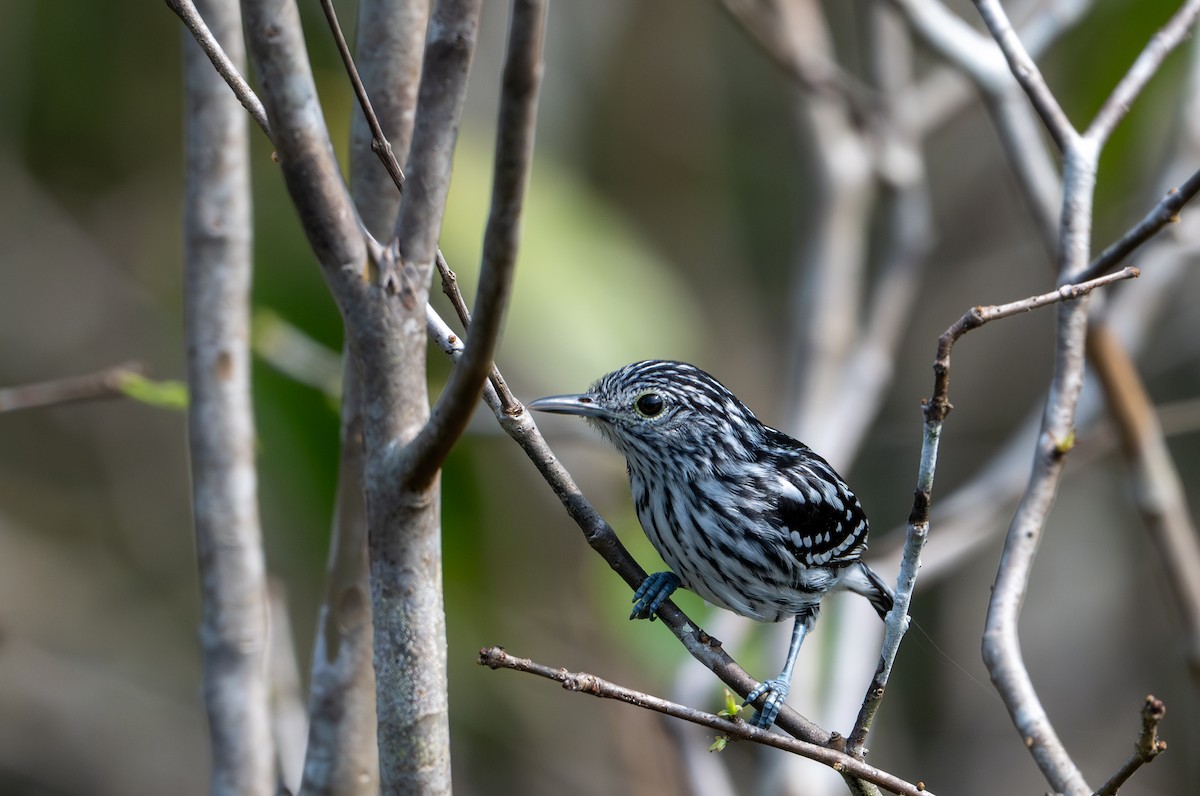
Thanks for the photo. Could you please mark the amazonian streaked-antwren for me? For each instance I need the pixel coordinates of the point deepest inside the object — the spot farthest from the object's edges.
(746, 517)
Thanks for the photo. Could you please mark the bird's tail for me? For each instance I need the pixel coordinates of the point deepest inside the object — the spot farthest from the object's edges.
(865, 581)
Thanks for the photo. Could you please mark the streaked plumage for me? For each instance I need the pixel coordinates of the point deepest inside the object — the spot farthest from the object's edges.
(747, 517)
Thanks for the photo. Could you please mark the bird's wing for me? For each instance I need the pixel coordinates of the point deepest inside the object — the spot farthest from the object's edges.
(822, 519)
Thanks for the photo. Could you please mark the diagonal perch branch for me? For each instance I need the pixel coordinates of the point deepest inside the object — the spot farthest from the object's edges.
(497, 658)
(601, 537)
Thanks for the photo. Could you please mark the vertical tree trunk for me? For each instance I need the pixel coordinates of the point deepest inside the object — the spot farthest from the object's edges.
(233, 630)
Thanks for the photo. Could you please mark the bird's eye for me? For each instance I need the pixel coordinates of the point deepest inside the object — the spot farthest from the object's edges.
(649, 404)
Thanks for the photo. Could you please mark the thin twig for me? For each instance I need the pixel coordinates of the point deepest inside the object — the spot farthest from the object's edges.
(1164, 213)
(379, 143)
(98, 386)
(601, 537)
(581, 682)
(936, 409)
(1145, 67)
(192, 20)
(760, 21)
(1147, 747)
(939, 405)
(1027, 73)
(450, 288)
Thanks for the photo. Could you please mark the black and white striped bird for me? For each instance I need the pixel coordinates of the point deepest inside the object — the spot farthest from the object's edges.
(745, 516)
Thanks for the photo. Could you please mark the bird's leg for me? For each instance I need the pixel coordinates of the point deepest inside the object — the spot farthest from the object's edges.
(777, 688)
(653, 592)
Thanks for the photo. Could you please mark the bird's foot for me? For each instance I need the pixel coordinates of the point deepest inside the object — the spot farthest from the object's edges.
(776, 691)
(653, 592)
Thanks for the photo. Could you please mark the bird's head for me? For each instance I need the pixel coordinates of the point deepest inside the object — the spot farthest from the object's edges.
(659, 407)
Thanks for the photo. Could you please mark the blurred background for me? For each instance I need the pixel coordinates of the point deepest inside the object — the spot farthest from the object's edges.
(677, 182)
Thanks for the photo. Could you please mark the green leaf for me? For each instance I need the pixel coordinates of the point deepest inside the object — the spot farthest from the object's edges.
(166, 394)
(733, 705)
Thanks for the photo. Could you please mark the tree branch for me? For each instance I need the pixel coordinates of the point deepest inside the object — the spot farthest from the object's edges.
(513, 160)
(101, 385)
(1159, 493)
(218, 267)
(1147, 747)
(936, 409)
(1027, 74)
(1145, 67)
(225, 67)
(450, 288)
(497, 658)
(1165, 212)
(379, 142)
(450, 45)
(310, 170)
(1001, 643)
(343, 753)
(343, 749)
(601, 537)
(760, 21)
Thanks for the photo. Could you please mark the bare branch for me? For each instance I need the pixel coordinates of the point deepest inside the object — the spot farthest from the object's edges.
(98, 386)
(1001, 641)
(497, 658)
(389, 344)
(513, 159)
(1147, 747)
(1158, 489)
(343, 752)
(601, 537)
(379, 142)
(311, 172)
(1144, 68)
(953, 39)
(449, 48)
(974, 54)
(760, 20)
(1027, 73)
(217, 262)
(936, 409)
(1163, 213)
(450, 288)
(390, 42)
(224, 65)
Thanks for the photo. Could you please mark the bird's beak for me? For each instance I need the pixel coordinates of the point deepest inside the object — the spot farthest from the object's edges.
(582, 405)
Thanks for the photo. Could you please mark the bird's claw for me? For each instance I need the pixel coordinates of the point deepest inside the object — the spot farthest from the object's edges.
(653, 592)
(776, 693)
